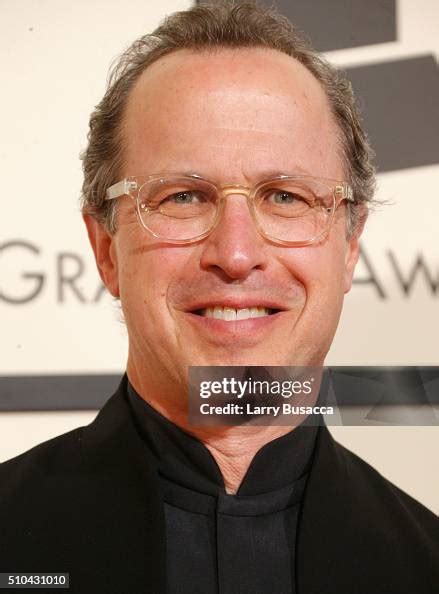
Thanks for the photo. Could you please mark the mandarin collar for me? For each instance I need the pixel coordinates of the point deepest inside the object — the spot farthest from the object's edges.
(183, 459)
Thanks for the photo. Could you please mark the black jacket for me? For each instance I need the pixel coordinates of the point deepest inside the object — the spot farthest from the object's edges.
(88, 503)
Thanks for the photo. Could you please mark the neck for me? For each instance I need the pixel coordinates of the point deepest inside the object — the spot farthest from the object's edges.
(232, 447)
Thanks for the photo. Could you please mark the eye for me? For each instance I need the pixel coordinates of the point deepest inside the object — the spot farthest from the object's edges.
(282, 197)
(185, 197)
(291, 201)
(278, 197)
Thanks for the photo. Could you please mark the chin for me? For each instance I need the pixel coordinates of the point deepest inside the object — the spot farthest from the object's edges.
(242, 358)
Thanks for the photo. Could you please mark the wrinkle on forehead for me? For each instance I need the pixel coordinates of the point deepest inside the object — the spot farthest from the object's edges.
(244, 105)
(258, 80)
(248, 159)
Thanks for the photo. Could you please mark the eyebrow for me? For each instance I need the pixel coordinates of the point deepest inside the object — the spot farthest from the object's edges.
(266, 173)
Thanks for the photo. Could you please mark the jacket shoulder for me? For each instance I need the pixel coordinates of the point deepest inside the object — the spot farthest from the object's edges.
(379, 490)
(58, 455)
(78, 499)
(366, 533)
(377, 505)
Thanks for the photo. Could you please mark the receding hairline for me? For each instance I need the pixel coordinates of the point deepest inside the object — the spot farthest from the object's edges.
(221, 25)
(197, 52)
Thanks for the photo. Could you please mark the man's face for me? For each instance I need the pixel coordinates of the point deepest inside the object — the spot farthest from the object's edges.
(231, 116)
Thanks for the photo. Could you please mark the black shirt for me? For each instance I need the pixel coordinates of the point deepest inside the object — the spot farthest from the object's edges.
(219, 543)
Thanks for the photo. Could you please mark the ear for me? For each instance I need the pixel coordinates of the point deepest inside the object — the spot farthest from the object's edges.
(104, 249)
(353, 250)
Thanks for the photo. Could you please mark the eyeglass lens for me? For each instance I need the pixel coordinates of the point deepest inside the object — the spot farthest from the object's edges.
(182, 208)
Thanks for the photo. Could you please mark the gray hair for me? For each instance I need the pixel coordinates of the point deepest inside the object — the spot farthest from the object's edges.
(206, 27)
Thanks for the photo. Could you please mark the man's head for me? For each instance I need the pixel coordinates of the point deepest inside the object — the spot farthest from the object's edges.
(234, 95)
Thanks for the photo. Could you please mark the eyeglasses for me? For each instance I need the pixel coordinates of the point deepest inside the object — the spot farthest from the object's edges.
(290, 210)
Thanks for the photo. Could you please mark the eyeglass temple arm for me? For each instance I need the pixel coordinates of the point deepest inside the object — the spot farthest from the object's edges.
(345, 193)
(120, 189)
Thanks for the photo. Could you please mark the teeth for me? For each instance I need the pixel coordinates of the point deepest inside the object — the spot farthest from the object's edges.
(230, 314)
(217, 312)
(243, 314)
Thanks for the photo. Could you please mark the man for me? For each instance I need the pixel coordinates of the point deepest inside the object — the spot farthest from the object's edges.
(226, 186)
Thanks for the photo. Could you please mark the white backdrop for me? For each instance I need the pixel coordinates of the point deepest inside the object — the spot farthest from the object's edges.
(54, 60)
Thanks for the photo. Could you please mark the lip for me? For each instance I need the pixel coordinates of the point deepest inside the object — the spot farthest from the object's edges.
(235, 304)
(234, 333)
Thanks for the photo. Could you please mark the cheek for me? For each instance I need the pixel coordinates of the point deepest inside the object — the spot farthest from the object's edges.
(321, 271)
(142, 284)
(146, 276)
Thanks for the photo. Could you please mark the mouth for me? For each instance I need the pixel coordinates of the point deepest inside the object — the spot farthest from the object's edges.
(232, 314)
(235, 325)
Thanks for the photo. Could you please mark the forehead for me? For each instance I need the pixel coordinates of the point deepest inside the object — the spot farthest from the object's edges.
(245, 110)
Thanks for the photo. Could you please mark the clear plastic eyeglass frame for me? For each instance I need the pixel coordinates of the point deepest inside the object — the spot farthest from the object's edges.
(338, 191)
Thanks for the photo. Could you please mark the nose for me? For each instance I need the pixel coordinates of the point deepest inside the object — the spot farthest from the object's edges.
(235, 246)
